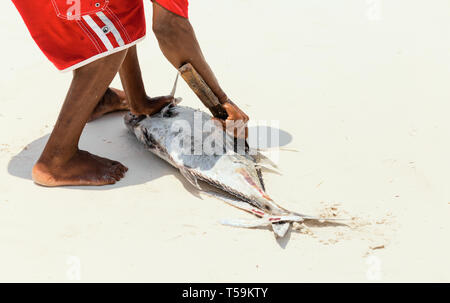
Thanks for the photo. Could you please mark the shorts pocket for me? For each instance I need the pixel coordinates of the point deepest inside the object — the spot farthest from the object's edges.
(75, 9)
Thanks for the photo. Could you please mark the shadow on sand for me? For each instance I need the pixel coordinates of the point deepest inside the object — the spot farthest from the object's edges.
(108, 137)
(283, 242)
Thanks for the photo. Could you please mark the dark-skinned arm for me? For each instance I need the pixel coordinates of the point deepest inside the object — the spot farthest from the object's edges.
(178, 42)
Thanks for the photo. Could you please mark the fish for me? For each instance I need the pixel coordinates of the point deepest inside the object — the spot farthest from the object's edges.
(202, 151)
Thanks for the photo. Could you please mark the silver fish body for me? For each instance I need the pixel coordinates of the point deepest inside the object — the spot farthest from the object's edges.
(182, 136)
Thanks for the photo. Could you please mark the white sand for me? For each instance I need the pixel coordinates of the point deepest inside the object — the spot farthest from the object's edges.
(364, 97)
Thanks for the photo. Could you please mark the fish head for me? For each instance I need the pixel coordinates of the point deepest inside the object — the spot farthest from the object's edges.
(131, 121)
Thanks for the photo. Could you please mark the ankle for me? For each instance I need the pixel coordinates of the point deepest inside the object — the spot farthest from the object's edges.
(137, 103)
(57, 158)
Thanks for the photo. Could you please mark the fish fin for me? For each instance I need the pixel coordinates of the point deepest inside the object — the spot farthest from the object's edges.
(177, 101)
(190, 177)
(286, 218)
(269, 168)
(308, 217)
(165, 112)
(261, 179)
(294, 150)
(261, 159)
(235, 202)
(174, 88)
(246, 223)
(280, 229)
(322, 220)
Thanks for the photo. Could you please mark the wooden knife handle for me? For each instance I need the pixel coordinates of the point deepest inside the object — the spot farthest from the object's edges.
(202, 90)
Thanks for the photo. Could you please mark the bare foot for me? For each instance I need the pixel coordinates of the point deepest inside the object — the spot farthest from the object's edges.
(82, 169)
(151, 106)
(113, 100)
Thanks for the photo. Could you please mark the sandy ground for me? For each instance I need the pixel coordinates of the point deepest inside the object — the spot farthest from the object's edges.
(361, 94)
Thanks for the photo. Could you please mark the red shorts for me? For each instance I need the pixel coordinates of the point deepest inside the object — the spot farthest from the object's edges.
(73, 33)
(179, 7)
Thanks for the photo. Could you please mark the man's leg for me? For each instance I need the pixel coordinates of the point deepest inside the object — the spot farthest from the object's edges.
(135, 98)
(61, 162)
(113, 100)
(138, 100)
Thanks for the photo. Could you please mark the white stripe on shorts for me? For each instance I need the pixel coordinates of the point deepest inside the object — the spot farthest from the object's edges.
(112, 28)
(99, 32)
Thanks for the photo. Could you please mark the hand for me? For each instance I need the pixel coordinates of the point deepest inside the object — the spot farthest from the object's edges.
(236, 123)
(152, 106)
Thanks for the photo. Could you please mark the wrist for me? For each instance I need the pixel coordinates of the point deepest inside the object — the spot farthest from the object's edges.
(223, 98)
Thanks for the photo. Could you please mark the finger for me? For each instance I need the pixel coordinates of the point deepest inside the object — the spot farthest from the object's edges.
(234, 109)
(219, 122)
(237, 127)
(242, 133)
(227, 126)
